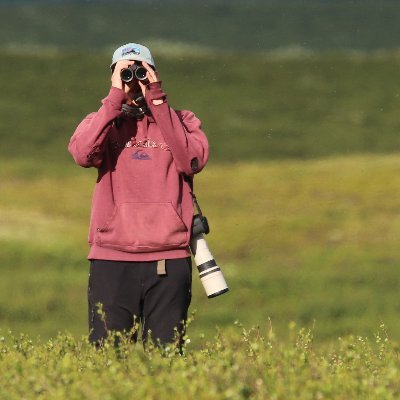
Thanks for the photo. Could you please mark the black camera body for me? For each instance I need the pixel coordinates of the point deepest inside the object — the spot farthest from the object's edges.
(134, 71)
(200, 225)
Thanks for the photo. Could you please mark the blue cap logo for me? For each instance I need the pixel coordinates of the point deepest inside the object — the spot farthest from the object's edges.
(130, 50)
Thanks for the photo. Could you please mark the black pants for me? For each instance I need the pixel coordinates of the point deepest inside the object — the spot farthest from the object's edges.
(133, 292)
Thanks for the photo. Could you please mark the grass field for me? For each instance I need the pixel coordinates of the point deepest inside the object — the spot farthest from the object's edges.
(309, 244)
(301, 107)
(302, 193)
(246, 364)
(300, 237)
(315, 242)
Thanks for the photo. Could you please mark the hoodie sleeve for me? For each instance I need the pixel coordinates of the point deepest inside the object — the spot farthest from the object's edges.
(88, 142)
(181, 131)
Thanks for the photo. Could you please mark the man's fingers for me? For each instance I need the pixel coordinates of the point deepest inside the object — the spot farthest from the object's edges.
(120, 65)
(150, 72)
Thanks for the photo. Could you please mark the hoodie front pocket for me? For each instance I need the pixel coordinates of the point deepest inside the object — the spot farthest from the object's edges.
(141, 227)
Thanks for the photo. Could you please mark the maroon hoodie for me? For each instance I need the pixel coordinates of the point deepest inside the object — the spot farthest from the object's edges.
(142, 207)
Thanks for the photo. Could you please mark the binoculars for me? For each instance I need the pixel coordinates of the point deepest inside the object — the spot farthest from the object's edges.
(134, 71)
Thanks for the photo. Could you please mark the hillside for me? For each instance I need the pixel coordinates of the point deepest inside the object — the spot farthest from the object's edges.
(237, 26)
(251, 109)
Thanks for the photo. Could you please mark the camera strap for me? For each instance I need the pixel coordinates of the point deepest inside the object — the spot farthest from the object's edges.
(196, 203)
(135, 112)
(189, 180)
(131, 112)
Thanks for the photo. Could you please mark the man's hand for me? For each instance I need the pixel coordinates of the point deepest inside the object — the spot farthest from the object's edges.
(116, 80)
(152, 76)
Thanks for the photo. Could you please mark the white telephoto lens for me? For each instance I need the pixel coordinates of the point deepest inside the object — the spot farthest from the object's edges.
(210, 274)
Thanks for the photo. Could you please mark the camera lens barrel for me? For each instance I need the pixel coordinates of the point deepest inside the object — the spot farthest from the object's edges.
(200, 225)
(210, 274)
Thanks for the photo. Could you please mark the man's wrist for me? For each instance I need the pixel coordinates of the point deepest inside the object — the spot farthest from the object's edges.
(116, 96)
(155, 94)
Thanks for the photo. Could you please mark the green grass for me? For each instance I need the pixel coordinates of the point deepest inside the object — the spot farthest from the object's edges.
(263, 108)
(302, 196)
(299, 237)
(315, 242)
(245, 364)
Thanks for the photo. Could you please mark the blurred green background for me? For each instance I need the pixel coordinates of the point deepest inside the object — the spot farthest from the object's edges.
(299, 100)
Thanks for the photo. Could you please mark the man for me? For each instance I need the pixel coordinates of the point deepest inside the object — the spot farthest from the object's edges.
(142, 208)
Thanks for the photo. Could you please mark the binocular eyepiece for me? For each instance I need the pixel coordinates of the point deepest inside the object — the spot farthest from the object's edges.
(134, 71)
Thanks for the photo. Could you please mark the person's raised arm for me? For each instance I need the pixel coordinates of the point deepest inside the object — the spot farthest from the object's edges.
(181, 130)
(88, 142)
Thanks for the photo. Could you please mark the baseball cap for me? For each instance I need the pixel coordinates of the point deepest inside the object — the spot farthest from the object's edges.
(132, 51)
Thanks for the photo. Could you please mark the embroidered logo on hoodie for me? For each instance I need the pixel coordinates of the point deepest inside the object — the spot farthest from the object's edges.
(140, 155)
(146, 143)
(149, 143)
